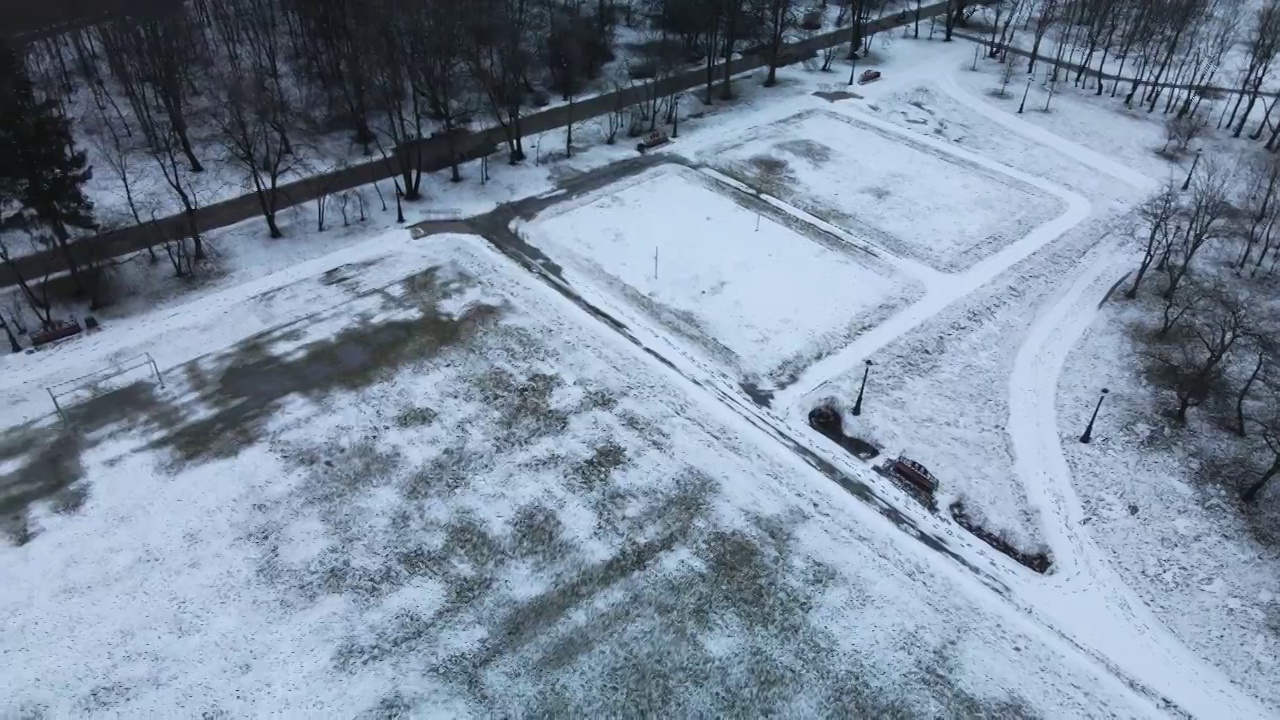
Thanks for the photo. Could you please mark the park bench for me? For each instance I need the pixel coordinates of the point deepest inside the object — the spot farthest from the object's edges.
(58, 332)
(652, 140)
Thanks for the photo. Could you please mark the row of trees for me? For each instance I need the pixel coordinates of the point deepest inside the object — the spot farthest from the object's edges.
(1209, 255)
(266, 85)
(1172, 52)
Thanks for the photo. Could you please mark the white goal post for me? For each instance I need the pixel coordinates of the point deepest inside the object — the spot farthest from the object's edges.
(98, 383)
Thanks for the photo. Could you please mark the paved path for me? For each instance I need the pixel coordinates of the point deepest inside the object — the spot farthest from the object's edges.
(434, 154)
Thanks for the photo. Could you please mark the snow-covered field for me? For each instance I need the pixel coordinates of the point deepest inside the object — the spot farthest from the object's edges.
(755, 290)
(453, 493)
(909, 199)
(413, 475)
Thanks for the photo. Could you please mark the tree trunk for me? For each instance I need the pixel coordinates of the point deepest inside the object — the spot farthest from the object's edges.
(1183, 404)
(13, 340)
(196, 240)
(1251, 494)
(730, 40)
(1244, 393)
(64, 245)
(1142, 271)
(1248, 108)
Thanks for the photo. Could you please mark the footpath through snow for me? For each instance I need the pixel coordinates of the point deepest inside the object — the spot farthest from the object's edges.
(1085, 595)
(1084, 599)
(942, 289)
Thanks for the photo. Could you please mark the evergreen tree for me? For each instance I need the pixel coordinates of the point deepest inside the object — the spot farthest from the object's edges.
(43, 173)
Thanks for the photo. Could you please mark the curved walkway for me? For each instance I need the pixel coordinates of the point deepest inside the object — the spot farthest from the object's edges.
(1085, 595)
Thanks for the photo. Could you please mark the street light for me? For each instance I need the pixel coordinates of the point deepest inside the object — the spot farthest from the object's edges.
(857, 406)
(1196, 161)
(1022, 106)
(1088, 431)
(853, 66)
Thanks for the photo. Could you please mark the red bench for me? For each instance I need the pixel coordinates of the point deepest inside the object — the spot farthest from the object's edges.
(57, 332)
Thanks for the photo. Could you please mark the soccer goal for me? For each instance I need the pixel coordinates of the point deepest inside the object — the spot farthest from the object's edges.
(72, 392)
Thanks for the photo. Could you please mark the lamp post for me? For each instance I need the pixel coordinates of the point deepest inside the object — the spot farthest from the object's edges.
(1088, 431)
(857, 406)
(853, 65)
(1196, 161)
(1022, 106)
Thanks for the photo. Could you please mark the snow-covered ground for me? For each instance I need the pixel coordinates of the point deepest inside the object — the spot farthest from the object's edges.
(912, 200)
(1186, 552)
(314, 534)
(412, 474)
(753, 289)
(1211, 581)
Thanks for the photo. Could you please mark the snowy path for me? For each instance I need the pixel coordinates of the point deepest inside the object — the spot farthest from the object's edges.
(1085, 155)
(941, 289)
(1084, 597)
(1084, 593)
(1086, 606)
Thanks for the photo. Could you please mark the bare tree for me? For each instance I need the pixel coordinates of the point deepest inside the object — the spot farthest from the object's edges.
(1157, 215)
(39, 303)
(1006, 74)
(165, 151)
(1263, 43)
(13, 339)
(1180, 130)
(153, 58)
(499, 55)
(1176, 307)
(829, 52)
(1209, 206)
(733, 26)
(253, 131)
(1261, 343)
(1193, 367)
(393, 53)
(1259, 203)
(1269, 429)
(647, 75)
(331, 38)
(440, 75)
(616, 117)
(1046, 16)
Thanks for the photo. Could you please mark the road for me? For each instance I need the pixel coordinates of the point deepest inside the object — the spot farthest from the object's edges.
(434, 153)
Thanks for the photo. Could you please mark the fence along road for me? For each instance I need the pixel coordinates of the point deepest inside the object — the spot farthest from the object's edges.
(433, 153)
